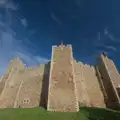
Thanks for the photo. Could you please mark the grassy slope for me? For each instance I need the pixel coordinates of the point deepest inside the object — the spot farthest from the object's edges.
(41, 114)
(100, 114)
(38, 114)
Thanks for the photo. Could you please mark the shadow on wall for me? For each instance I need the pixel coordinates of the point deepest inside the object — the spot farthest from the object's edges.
(98, 75)
(45, 84)
(107, 99)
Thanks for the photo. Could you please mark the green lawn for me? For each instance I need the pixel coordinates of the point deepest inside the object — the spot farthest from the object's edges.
(100, 114)
(42, 114)
(38, 114)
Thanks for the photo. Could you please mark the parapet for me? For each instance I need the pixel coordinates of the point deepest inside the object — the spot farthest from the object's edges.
(55, 46)
(82, 63)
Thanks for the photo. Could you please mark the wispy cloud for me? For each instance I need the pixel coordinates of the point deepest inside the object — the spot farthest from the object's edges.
(111, 48)
(105, 40)
(99, 37)
(10, 46)
(102, 43)
(105, 31)
(24, 22)
(110, 36)
(29, 59)
(55, 18)
(2, 2)
(8, 4)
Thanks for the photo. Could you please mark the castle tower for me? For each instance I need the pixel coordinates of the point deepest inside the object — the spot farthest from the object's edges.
(110, 78)
(62, 95)
(16, 63)
(10, 83)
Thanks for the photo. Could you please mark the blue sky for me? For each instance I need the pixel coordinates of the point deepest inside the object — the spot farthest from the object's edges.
(29, 28)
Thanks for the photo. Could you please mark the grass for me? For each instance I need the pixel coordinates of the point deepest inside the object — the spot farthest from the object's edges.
(38, 114)
(100, 113)
(85, 113)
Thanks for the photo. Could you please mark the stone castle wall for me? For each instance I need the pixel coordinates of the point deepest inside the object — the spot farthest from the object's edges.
(10, 83)
(21, 86)
(105, 68)
(3, 81)
(88, 87)
(82, 93)
(93, 87)
(62, 95)
(61, 84)
(30, 89)
(115, 76)
(9, 92)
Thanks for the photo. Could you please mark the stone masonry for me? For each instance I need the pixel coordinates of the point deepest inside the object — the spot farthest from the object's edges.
(62, 81)
(63, 84)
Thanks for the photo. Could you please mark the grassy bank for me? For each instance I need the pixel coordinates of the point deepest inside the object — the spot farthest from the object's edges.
(38, 114)
(100, 114)
(42, 114)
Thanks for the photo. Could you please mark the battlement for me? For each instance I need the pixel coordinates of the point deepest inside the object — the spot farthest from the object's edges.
(59, 46)
(82, 64)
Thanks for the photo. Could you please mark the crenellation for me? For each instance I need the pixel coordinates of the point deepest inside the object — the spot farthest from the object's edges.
(61, 46)
(69, 45)
(65, 46)
(54, 46)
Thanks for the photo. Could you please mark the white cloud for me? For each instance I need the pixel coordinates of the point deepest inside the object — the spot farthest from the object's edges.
(104, 46)
(2, 24)
(2, 2)
(41, 60)
(31, 59)
(11, 5)
(111, 47)
(10, 46)
(103, 39)
(105, 31)
(8, 4)
(55, 18)
(111, 36)
(99, 36)
(24, 22)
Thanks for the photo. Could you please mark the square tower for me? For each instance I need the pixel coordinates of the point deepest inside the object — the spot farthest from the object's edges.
(62, 94)
(110, 79)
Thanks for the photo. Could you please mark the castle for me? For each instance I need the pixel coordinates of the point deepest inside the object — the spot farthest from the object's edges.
(63, 84)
